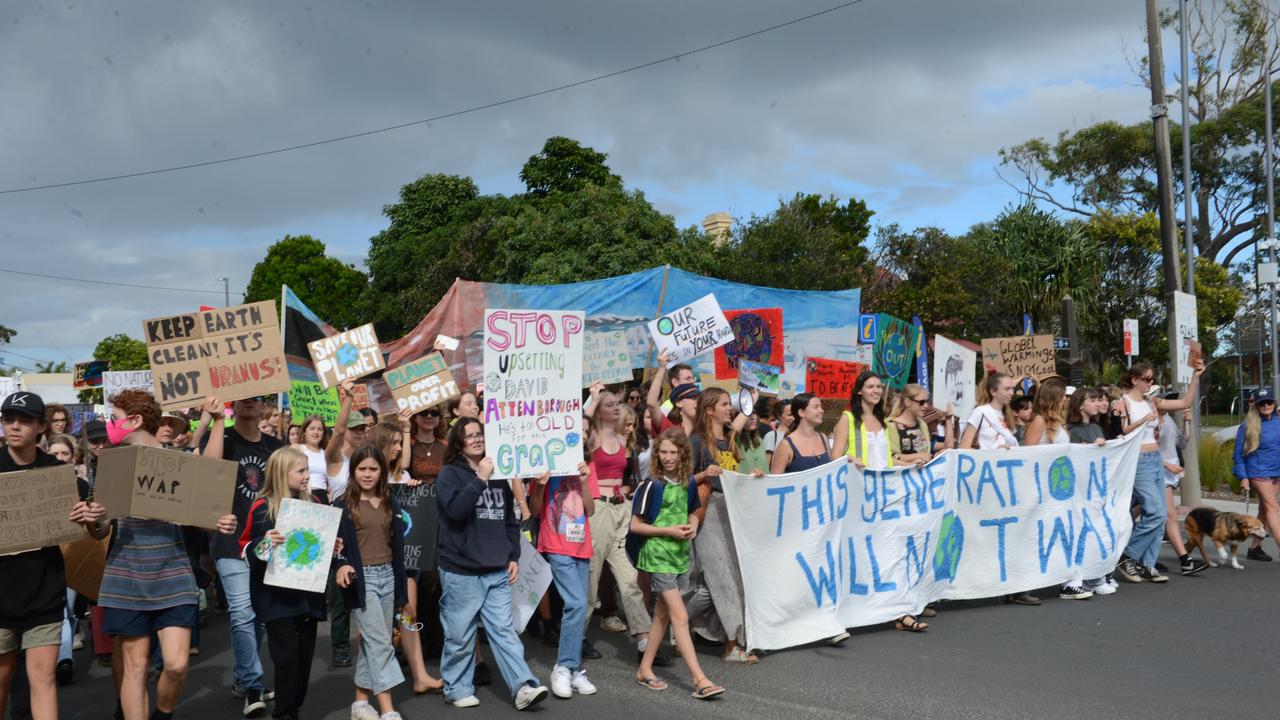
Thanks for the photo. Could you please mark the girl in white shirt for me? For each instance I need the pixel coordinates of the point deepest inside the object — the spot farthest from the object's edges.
(990, 426)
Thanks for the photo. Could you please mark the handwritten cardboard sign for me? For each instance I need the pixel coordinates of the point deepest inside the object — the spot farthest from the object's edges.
(1021, 356)
(765, 378)
(691, 330)
(34, 506)
(302, 561)
(423, 383)
(230, 353)
(831, 379)
(114, 382)
(955, 371)
(605, 358)
(89, 374)
(757, 337)
(169, 485)
(1184, 317)
(533, 391)
(347, 355)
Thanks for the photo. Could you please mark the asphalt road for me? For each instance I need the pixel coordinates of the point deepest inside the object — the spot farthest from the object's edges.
(1203, 646)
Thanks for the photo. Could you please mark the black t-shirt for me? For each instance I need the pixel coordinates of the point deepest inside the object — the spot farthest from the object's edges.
(36, 591)
(251, 467)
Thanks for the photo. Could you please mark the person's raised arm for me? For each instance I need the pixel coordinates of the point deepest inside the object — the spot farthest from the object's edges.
(202, 427)
(594, 399)
(212, 409)
(333, 451)
(654, 399)
(1184, 401)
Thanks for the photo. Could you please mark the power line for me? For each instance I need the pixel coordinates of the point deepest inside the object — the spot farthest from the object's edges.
(445, 116)
(108, 282)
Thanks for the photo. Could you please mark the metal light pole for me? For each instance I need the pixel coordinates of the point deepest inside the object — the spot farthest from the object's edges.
(226, 290)
(1190, 490)
(1269, 171)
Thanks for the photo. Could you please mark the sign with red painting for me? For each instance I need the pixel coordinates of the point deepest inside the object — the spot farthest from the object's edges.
(831, 379)
(757, 336)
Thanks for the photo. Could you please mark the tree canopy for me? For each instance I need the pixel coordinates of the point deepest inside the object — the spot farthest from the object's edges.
(328, 286)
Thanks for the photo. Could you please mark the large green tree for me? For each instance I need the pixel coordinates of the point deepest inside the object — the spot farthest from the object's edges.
(328, 286)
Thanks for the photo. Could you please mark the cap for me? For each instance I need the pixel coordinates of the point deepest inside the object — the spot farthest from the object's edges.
(178, 423)
(1259, 396)
(95, 430)
(25, 403)
(684, 392)
(355, 420)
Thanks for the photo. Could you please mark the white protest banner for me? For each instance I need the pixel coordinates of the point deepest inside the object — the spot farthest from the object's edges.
(347, 355)
(605, 358)
(530, 585)
(302, 561)
(954, 376)
(835, 547)
(119, 381)
(421, 384)
(765, 378)
(691, 330)
(1184, 315)
(8, 386)
(34, 509)
(533, 391)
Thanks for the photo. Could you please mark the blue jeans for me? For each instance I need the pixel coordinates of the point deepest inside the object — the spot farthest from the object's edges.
(571, 575)
(246, 631)
(1148, 489)
(463, 600)
(376, 666)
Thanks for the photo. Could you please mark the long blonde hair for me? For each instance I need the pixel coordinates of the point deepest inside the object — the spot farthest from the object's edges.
(386, 436)
(1049, 405)
(900, 399)
(1252, 430)
(275, 485)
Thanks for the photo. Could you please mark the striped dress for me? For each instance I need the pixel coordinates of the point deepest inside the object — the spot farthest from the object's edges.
(147, 567)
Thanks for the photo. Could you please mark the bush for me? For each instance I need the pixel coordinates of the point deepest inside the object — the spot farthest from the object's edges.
(1215, 464)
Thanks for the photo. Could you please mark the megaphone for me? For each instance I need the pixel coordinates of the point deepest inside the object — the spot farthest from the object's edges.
(742, 402)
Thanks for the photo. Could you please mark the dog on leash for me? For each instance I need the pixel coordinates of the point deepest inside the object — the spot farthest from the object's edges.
(1224, 528)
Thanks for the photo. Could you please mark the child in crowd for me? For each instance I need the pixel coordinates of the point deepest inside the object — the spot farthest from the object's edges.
(662, 528)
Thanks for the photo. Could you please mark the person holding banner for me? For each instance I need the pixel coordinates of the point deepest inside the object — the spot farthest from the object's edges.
(148, 586)
(1085, 414)
(31, 611)
(802, 446)
(479, 560)
(860, 435)
(1138, 564)
(908, 426)
(1256, 462)
(465, 405)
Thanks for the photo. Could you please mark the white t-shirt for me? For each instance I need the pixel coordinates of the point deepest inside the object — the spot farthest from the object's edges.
(877, 450)
(338, 483)
(772, 440)
(993, 433)
(317, 467)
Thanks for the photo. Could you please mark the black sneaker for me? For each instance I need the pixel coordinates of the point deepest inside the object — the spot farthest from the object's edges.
(1153, 575)
(341, 661)
(1257, 553)
(589, 651)
(1191, 566)
(254, 705)
(1128, 570)
(1074, 592)
(1161, 567)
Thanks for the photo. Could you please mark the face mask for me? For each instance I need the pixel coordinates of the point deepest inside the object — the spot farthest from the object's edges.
(116, 431)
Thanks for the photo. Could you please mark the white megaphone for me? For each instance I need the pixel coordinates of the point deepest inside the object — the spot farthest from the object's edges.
(742, 401)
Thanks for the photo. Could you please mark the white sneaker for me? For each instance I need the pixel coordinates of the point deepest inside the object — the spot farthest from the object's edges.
(362, 710)
(581, 684)
(393, 715)
(1105, 588)
(465, 702)
(837, 639)
(612, 624)
(561, 682)
(529, 695)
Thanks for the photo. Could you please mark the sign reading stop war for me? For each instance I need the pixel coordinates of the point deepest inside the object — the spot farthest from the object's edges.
(423, 383)
(348, 355)
(170, 485)
(1022, 356)
(692, 330)
(34, 507)
(230, 353)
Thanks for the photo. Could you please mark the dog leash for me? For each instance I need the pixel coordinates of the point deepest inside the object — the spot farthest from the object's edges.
(1246, 499)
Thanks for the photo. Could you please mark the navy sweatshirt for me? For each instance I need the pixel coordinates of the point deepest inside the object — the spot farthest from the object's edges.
(479, 532)
(271, 602)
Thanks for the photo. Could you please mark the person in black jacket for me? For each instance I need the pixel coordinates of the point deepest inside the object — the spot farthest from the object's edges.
(290, 615)
(479, 560)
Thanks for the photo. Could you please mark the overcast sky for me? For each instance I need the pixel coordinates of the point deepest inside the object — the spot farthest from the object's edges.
(903, 103)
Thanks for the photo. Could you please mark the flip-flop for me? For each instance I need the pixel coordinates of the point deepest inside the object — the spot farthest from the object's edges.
(913, 626)
(738, 655)
(651, 683)
(710, 691)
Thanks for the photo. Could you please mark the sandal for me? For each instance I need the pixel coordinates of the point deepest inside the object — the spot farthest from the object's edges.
(650, 683)
(738, 655)
(907, 623)
(710, 691)
(929, 611)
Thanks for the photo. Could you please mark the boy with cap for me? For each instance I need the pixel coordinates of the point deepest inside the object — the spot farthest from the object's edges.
(31, 612)
(684, 396)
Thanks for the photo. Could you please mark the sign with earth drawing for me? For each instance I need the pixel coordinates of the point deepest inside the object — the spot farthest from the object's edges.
(302, 561)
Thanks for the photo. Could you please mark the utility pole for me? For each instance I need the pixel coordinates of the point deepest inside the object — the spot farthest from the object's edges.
(1270, 171)
(226, 291)
(1190, 490)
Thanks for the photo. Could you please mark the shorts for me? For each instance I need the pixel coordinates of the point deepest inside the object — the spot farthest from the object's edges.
(140, 623)
(1172, 481)
(661, 582)
(14, 639)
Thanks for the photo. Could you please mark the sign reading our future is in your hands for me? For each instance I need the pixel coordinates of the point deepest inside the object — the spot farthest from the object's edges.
(692, 330)
(533, 391)
(230, 353)
(347, 355)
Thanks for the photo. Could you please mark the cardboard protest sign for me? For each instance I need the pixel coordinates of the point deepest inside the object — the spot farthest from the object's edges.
(531, 584)
(605, 358)
(89, 374)
(532, 410)
(954, 376)
(691, 330)
(34, 506)
(757, 337)
(1184, 315)
(765, 378)
(230, 353)
(311, 398)
(1021, 356)
(894, 349)
(84, 561)
(169, 485)
(348, 355)
(418, 510)
(423, 383)
(302, 561)
(831, 379)
(114, 382)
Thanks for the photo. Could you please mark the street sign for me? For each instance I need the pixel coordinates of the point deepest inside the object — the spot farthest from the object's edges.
(1061, 343)
(1130, 336)
(868, 328)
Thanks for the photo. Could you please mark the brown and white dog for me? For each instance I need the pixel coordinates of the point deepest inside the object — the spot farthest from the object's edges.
(1224, 528)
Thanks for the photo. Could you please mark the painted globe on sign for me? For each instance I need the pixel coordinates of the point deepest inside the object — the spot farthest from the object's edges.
(1062, 479)
(572, 439)
(407, 519)
(302, 548)
(950, 545)
(665, 326)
